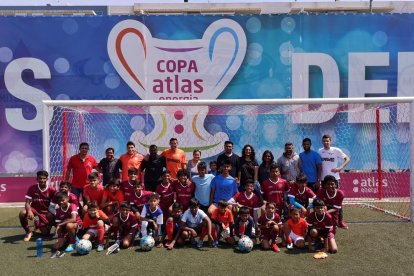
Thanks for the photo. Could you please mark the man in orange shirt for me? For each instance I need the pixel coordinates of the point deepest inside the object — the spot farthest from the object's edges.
(130, 159)
(175, 158)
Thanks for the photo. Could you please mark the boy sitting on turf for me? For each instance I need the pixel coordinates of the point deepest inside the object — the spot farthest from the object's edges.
(295, 229)
(195, 222)
(244, 225)
(67, 221)
(320, 228)
(222, 219)
(270, 225)
(38, 198)
(152, 219)
(112, 197)
(124, 226)
(94, 222)
(173, 226)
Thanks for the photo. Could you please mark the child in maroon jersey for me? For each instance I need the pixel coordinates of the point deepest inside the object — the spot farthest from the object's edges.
(125, 225)
(67, 221)
(270, 225)
(300, 195)
(173, 226)
(183, 188)
(127, 186)
(139, 199)
(274, 189)
(38, 198)
(321, 228)
(166, 192)
(248, 199)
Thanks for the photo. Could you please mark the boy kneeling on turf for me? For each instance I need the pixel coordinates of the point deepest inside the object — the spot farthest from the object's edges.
(244, 225)
(195, 222)
(295, 229)
(321, 227)
(124, 226)
(94, 222)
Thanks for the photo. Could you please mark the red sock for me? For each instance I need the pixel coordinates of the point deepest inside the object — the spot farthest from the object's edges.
(170, 230)
(101, 233)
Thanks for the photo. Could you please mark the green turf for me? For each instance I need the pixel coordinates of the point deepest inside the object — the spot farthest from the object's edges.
(364, 249)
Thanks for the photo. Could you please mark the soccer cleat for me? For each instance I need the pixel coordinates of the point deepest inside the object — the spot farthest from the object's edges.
(193, 242)
(215, 244)
(199, 244)
(58, 254)
(113, 248)
(289, 246)
(275, 247)
(343, 225)
(101, 247)
(70, 247)
(28, 236)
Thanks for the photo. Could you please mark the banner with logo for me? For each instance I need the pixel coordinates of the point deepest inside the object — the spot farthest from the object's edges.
(200, 57)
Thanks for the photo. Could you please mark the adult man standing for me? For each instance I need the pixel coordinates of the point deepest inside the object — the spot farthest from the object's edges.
(175, 158)
(153, 165)
(289, 163)
(311, 164)
(331, 157)
(80, 165)
(108, 166)
(228, 154)
(130, 159)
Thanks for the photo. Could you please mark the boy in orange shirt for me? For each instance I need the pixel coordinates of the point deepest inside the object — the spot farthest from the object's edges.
(295, 229)
(93, 191)
(223, 219)
(112, 197)
(94, 222)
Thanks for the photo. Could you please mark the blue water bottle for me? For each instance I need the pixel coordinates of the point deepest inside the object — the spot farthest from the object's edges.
(39, 247)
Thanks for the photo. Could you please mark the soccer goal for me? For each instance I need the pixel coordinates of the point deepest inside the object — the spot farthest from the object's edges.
(376, 133)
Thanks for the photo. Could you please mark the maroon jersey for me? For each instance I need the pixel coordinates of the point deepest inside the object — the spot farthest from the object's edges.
(72, 199)
(40, 199)
(331, 202)
(127, 225)
(128, 190)
(320, 222)
(65, 214)
(264, 219)
(184, 193)
(166, 195)
(301, 197)
(139, 201)
(273, 191)
(251, 201)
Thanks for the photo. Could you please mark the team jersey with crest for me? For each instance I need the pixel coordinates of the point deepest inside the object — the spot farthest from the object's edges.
(302, 197)
(273, 191)
(184, 193)
(72, 199)
(320, 222)
(139, 201)
(331, 202)
(264, 219)
(40, 199)
(63, 214)
(128, 190)
(166, 195)
(251, 201)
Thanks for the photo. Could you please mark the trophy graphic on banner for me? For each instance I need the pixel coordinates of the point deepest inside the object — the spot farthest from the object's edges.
(157, 69)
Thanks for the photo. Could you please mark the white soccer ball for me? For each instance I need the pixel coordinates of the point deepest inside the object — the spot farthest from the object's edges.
(225, 233)
(83, 247)
(147, 243)
(245, 244)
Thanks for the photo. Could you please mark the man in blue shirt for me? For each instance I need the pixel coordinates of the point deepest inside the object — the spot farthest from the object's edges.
(311, 163)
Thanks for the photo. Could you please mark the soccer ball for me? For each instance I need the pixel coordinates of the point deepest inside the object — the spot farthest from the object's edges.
(225, 233)
(83, 247)
(147, 243)
(245, 244)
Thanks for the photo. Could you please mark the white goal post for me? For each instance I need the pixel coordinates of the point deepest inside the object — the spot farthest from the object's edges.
(381, 124)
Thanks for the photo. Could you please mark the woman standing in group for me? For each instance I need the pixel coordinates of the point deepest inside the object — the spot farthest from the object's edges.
(264, 168)
(192, 164)
(249, 167)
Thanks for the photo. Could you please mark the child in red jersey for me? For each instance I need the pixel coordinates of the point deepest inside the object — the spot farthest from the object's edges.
(173, 226)
(125, 225)
(127, 186)
(67, 222)
(274, 189)
(166, 192)
(300, 195)
(94, 191)
(222, 219)
(248, 199)
(270, 225)
(139, 198)
(332, 197)
(38, 198)
(94, 222)
(112, 197)
(295, 229)
(183, 188)
(321, 228)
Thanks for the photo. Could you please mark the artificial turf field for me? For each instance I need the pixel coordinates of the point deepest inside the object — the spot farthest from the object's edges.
(374, 248)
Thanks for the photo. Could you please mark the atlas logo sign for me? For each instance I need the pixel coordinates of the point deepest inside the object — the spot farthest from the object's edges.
(368, 185)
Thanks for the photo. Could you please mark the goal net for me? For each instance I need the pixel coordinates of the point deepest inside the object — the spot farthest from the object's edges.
(374, 132)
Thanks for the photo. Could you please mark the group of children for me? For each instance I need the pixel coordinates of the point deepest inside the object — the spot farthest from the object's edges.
(184, 210)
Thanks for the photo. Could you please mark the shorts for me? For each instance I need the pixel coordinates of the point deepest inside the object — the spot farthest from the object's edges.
(63, 234)
(331, 235)
(94, 231)
(268, 235)
(295, 237)
(40, 219)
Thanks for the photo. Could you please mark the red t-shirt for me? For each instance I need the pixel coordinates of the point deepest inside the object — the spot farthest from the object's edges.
(92, 222)
(273, 191)
(118, 196)
(81, 169)
(91, 194)
(40, 199)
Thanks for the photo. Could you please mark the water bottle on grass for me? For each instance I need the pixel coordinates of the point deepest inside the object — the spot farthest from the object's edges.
(39, 247)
